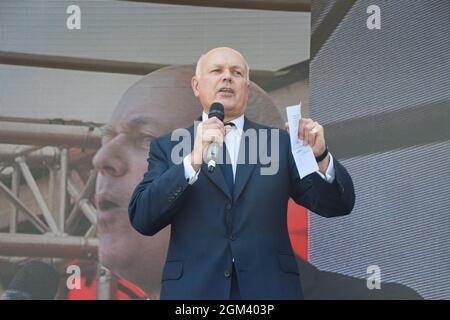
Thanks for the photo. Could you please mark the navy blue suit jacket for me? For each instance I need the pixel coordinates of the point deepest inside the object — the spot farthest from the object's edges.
(210, 227)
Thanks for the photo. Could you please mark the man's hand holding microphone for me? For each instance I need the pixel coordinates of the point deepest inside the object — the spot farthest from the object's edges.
(209, 138)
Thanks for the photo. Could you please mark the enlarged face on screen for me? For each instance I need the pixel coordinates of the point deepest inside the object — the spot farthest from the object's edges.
(157, 104)
(151, 107)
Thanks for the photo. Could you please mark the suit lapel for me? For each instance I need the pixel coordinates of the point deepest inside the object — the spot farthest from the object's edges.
(243, 170)
(217, 178)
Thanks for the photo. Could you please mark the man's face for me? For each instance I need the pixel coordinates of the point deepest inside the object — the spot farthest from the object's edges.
(121, 163)
(223, 79)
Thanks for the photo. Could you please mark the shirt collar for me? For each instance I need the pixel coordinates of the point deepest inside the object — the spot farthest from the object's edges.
(238, 122)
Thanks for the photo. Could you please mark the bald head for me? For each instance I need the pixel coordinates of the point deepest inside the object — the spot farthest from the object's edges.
(198, 69)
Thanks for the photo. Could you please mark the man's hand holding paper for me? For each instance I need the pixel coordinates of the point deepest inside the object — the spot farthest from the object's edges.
(307, 142)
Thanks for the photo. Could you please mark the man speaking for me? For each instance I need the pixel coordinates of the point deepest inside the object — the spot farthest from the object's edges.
(229, 236)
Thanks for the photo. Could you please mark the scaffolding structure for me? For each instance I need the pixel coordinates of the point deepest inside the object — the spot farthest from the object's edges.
(55, 151)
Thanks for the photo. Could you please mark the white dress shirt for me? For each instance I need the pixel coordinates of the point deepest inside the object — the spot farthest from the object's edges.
(233, 141)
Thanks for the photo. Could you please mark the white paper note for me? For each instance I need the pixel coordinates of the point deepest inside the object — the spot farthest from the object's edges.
(303, 155)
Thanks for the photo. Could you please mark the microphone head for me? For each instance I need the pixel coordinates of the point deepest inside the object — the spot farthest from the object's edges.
(217, 110)
(36, 280)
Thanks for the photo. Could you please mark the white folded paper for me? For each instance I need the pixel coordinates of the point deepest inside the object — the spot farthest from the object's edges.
(303, 155)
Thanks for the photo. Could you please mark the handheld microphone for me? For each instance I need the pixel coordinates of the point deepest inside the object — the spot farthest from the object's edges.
(216, 110)
(36, 280)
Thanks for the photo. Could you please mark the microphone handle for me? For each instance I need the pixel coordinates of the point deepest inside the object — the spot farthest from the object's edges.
(212, 156)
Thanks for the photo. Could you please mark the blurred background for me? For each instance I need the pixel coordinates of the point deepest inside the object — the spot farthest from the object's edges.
(384, 98)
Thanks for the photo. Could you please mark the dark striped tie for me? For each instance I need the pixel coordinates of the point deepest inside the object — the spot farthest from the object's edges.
(226, 167)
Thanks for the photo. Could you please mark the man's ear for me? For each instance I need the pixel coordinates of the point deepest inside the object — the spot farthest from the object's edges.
(194, 84)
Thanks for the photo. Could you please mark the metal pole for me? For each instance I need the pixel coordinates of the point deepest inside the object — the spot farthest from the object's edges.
(89, 211)
(88, 189)
(37, 194)
(91, 231)
(36, 155)
(73, 63)
(62, 189)
(49, 134)
(16, 201)
(52, 188)
(31, 245)
(83, 204)
(105, 284)
(46, 156)
(283, 5)
(15, 183)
